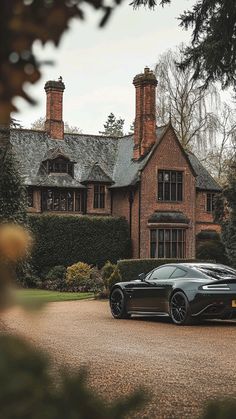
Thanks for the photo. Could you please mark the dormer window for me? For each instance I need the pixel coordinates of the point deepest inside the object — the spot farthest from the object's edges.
(60, 165)
(57, 161)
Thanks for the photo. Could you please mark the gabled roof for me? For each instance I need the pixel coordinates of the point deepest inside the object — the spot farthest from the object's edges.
(204, 180)
(54, 153)
(96, 174)
(114, 157)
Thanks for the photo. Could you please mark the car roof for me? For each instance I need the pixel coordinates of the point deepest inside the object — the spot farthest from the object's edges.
(206, 265)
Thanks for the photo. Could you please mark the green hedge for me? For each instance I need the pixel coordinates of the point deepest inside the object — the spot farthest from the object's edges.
(131, 268)
(64, 240)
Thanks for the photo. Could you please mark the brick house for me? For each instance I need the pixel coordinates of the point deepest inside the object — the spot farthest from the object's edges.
(165, 193)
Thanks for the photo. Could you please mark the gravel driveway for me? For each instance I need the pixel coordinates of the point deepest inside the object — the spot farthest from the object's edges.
(181, 366)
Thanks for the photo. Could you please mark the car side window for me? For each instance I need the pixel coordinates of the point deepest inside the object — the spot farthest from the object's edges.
(162, 273)
(179, 273)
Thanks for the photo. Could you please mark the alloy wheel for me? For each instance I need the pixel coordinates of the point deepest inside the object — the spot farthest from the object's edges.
(117, 303)
(179, 309)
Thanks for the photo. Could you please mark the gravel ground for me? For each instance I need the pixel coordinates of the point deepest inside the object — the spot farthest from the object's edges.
(182, 367)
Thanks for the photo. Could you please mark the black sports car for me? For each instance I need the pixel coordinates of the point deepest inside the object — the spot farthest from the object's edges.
(184, 291)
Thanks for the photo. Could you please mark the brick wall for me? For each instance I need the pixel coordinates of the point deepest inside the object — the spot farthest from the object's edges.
(54, 124)
(204, 219)
(168, 155)
(90, 198)
(145, 112)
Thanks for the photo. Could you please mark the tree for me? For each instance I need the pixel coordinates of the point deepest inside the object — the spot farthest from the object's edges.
(113, 126)
(69, 129)
(212, 52)
(12, 189)
(181, 99)
(21, 25)
(225, 214)
(220, 156)
(131, 128)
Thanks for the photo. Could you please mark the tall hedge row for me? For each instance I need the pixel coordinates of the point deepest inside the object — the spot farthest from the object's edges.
(131, 268)
(64, 240)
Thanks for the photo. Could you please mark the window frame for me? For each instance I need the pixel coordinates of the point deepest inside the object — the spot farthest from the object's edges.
(30, 197)
(99, 196)
(210, 204)
(57, 200)
(174, 187)
(59, 163)
(163, 241)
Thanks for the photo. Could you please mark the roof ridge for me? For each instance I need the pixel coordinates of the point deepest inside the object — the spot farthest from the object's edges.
(27, 129)
(93, 135)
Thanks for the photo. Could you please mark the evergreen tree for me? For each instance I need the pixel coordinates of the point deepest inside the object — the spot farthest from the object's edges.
(226, 215)
(212, 52)
(131, 128)
(12, 189)
(113, 126)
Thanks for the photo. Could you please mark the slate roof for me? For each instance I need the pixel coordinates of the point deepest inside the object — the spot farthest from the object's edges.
(168, 217)
(54, 153)
(113, 157)
(204, 180)
(96, 174)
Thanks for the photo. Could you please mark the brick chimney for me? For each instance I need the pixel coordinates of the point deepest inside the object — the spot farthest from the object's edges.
(145, 117)
(54, 125)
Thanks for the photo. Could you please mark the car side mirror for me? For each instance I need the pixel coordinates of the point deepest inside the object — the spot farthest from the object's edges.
(142, 276)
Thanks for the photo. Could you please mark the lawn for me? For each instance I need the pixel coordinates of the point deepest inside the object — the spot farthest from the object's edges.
(44, 296)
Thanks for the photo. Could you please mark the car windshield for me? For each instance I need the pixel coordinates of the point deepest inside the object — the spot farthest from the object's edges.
(217, 272)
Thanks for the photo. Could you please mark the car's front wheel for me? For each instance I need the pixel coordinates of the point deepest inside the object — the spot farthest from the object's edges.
(180, 309)
(117, 304)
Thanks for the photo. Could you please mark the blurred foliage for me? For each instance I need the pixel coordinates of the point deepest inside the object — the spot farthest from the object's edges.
(12, 190)
(212, 50)
(29, 390)
(222, 409)
(21, 23)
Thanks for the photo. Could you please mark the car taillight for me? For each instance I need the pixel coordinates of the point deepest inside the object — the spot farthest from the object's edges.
(215, 287)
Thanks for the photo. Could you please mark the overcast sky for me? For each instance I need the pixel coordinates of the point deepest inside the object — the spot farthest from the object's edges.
(98, 65)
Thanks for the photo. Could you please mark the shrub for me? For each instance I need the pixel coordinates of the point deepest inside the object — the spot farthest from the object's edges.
(95, 282)
(107, 271)
(30, 281)
(212, 249)
(114, 278)
(58, 272)
(131, 268)
(56, 279)
(78, 273)
(65, 239)
(82, 277)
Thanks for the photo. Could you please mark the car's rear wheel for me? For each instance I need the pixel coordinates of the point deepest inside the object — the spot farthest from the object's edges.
(117, 304)
(180, 309)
